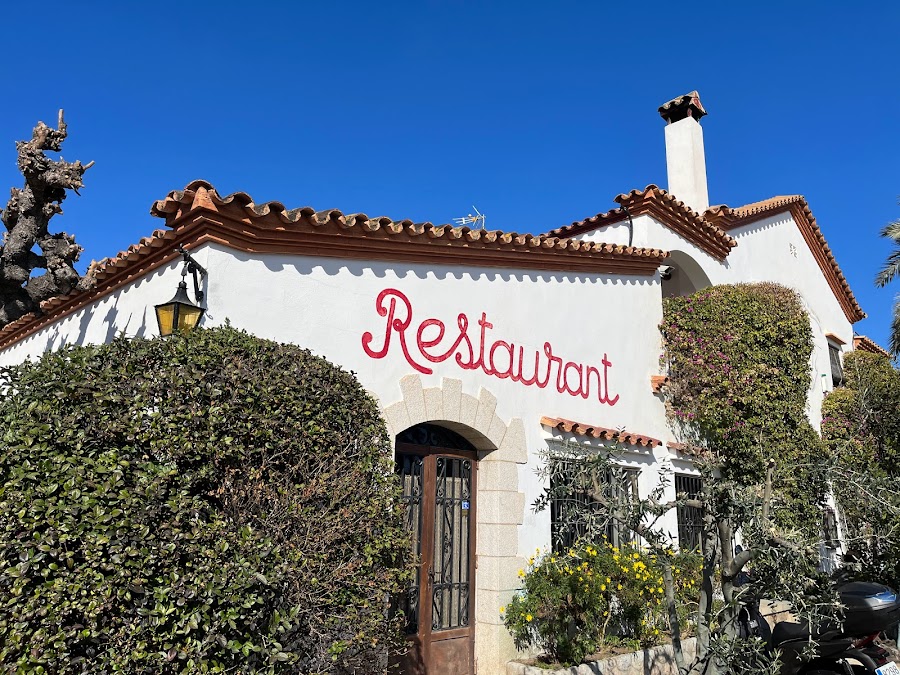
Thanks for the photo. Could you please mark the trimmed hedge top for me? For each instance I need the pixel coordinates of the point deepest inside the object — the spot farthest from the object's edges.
(210, 502)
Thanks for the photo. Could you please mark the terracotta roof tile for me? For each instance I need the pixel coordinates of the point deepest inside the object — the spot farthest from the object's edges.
(273, 215)
(657, 382)
(671, 212)
(597, 222)
(685, 448)
(601, 433)
(764, 206)
(730, 218)
(864, 344)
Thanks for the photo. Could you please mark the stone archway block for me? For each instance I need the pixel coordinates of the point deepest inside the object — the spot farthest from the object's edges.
(468, 410)
(496, 573)
(499, 648)
(513, 447)
(495, 539)
(487, 404)
(397, 418)
(494, 475)
(452, 389)
(414, 396)
(501, 507)
(434, 404)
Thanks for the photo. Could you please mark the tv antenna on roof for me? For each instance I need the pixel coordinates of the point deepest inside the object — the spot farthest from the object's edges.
(472, 220)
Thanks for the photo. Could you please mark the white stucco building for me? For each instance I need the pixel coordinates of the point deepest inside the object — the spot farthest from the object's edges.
(507, 340)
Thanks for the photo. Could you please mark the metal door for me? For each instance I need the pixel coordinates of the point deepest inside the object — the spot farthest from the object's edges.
(439, 502)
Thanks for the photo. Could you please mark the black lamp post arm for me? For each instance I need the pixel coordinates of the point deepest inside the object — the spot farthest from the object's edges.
(193, 267)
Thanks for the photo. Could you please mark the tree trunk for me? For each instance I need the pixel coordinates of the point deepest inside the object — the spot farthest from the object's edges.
(674, 623)
(731, 610)
(709, 550)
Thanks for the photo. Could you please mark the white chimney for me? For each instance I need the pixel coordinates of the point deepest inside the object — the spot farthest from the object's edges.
(685, 160)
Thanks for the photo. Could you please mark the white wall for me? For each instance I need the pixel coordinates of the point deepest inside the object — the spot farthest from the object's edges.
(328, 305)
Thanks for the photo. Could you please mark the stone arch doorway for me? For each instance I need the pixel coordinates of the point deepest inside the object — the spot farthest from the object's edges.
(499, 506)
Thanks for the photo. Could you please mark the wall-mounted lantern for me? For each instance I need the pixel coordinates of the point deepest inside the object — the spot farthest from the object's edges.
(179, 313)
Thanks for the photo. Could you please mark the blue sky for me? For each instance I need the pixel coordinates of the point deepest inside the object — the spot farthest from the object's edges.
(538, 113)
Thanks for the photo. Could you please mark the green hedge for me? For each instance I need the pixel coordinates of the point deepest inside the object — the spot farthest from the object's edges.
(210, 502)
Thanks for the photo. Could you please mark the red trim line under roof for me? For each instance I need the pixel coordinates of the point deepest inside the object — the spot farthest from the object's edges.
(674, 214)
(602, 433)
(731, 218)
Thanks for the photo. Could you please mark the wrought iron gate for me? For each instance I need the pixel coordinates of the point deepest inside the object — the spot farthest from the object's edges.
(437, 471)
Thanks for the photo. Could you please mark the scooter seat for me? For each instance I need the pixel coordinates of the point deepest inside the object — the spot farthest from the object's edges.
(788, 631)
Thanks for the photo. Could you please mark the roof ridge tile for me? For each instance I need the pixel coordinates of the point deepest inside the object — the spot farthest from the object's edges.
(666, 208)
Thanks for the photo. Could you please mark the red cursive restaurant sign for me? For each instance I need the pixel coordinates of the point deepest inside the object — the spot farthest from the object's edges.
(430, 341)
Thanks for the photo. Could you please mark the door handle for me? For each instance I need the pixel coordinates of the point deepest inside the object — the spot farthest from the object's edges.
(431, 576)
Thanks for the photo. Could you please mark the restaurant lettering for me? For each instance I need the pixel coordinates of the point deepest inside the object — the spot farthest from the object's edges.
(473, 347)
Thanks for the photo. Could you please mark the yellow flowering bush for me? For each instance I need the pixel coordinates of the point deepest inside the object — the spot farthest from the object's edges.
(571, 603)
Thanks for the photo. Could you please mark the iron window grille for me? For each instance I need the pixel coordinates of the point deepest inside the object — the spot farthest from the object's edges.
(690, 518)
(576, 514)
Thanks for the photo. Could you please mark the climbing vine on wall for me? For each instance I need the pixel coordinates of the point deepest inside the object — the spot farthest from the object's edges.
(739, 376)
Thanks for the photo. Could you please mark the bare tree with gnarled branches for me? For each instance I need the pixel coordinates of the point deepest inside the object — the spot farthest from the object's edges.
(28, 244)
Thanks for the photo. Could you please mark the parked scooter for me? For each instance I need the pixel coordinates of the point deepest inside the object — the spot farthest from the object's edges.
(848, 649)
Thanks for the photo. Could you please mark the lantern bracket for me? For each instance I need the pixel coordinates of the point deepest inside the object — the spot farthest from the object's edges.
(192, 267)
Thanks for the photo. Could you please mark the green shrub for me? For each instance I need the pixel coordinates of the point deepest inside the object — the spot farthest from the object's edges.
(861, 426)
(573, 603)
(210, 502)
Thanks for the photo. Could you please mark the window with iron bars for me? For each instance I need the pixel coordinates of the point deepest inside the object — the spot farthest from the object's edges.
(837, 370)
(690, 518)
(571, 516)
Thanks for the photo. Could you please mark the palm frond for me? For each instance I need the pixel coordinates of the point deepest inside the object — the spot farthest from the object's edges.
(894, 341)
(892, 231)
(890, 270)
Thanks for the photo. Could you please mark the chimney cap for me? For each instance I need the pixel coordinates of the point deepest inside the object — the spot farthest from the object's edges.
(682, 106)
